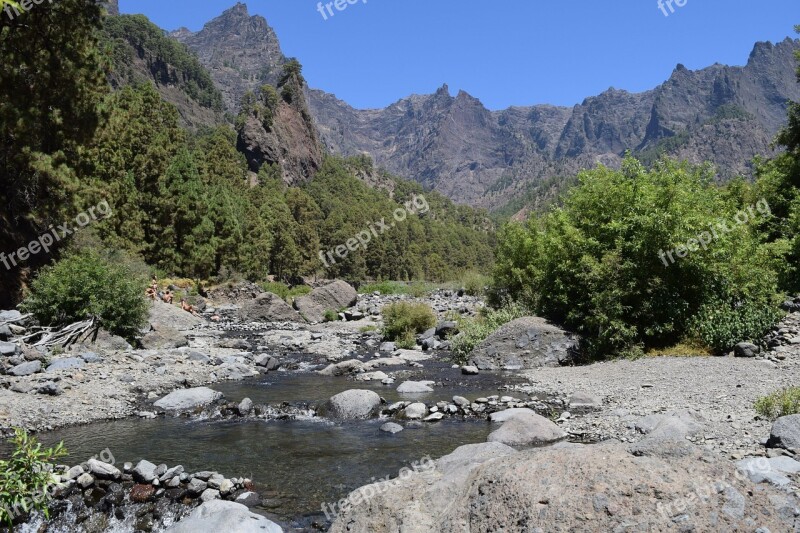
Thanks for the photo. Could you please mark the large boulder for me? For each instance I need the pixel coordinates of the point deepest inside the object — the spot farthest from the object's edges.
(26, 369)
(220, 515)
(163, 337)
(528, 342)
(353, 404)
(268, 307)
(188, 399)
(332, 297)
(527, 429)
(568, 487)
(163, 314)
(785, 433)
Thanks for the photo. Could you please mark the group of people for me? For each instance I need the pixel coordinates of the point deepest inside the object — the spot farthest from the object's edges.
(167, 296)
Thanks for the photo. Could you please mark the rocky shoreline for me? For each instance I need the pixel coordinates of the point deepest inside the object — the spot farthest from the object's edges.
(667, 407)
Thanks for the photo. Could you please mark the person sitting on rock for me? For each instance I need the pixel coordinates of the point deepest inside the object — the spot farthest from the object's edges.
(188, 307)
(168, 297)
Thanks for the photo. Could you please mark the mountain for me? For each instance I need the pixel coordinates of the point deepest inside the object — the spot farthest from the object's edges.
(522, 155)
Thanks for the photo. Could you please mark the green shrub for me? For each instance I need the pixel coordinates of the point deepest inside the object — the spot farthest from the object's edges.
(475, 283)
(284, 291)
(84, 284)
(330, 315)
(402, 321)
(473, 331)
(782, 403)
(26, 476)
(598, 265)
(721, 326)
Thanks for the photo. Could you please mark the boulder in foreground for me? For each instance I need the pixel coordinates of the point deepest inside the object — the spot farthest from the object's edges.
(220, 515)
(353, 404)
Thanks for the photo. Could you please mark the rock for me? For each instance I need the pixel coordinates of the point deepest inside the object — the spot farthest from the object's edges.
(163, 314)
(268, 307)
(353, 316)
(5, 333)
(50, 389)
(333, 297)
(26, 369)
(267, 361)
(250, 499)
(198, 357)
(566, 487)
(163, 337)
(141, 493)
(508, 414)
(372, 376)
(245, 407)
(527, 429)
(173, 472)
(353, 404)
(85, 481)
(8, 349)
(74, 472)
(188, 399)
(144, 472)
(209, 494)
(415, 411)
(470, 370)
(433, 417)
(585, 401)
(775, 471)
(91, 357)
(220, 515)
(445, 329)
(414, 387)
(226, 487)
(66, 363)
(196, 486)
(460, 401)
(10, 316)
(785, 433)
(391, 427)
(746, 349)
(527, 342)
(102, 470)
(387, 347)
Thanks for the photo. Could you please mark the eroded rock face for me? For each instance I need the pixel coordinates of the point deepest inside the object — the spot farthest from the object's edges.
(333, 297)
(527, 342)
(569, 487)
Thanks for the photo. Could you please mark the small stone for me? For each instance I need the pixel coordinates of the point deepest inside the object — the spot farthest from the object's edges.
(470, 370)
(209, 494)
(391, 427)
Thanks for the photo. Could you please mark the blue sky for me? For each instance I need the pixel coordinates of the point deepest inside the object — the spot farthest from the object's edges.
(504, 52)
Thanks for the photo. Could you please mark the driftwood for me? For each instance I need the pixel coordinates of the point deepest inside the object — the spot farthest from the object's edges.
(65, 337)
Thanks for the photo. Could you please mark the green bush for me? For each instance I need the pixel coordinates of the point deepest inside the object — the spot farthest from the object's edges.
(26, 476)
(284, 291)
(330, 315)
(475, 283)
(84, 284)
(402, 321)
(598, 264)
(782, 403)
(473, 331)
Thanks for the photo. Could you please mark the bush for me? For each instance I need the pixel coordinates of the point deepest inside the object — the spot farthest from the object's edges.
(83, 285)
(473, 331)
(782, 403)
(26, 476)
(284, 291)
(330, 315)
(402, 321)
(598, 265)
(475, 283)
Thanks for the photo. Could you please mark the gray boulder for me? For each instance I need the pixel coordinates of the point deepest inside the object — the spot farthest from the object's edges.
(8, 349)
(528, 342)
(746, 349)
(163, 314)
(333, 297)
(26, 369)
(102, 470)
(391, 427)
(353, 404)
(163, 337)
(188, 399)
(144, 472)
(414, 387)
(268, 307)
(785, 433)
(220, 515)
(527, 429)
(66, 363)
(415, 411)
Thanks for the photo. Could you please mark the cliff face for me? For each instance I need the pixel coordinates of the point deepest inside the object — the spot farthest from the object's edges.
(721, 114)
(241, 52)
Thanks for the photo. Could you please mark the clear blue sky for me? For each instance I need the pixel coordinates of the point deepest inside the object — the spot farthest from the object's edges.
(504, 52)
